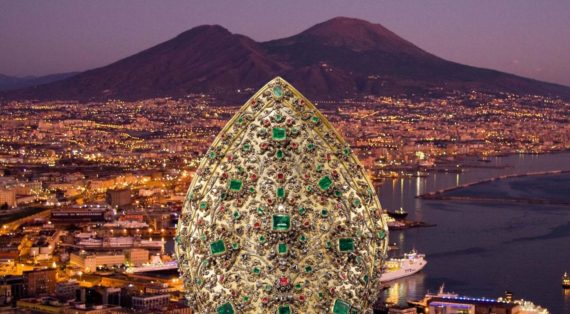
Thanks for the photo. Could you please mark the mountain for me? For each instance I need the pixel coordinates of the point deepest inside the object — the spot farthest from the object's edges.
(342, 57)
(15, 82)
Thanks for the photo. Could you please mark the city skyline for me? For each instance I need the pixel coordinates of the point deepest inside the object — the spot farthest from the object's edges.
(338, 157)
(527, 38)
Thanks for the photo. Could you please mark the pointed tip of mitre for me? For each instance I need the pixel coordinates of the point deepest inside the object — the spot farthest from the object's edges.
(277, 87)
(279, 80)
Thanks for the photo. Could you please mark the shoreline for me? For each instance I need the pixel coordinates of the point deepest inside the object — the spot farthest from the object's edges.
(440, 194)
(456, 165)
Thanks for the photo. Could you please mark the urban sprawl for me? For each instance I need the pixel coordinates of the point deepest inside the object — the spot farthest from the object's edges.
(90, 192)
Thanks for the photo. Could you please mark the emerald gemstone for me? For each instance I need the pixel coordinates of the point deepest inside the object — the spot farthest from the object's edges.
(235, 245)
(240, 120)
(328, 244)
(236, 214)
(279, 134)
(356, 202)
(302, 211)
(256, 270)
(308, 188)
(303, 238)
(278, 117)
(381, 234)
(308, 269)
(245, 298)
(280, 192)
(235, 185)
(298, 286)
(346, 151)
(282, 248)
(260, 211)
(321, 295)
(246, 147)
(341, 307)
(365, 278)
(198, 281)
(294, 131)
(338, 193)
(262, 239)
(319, 167)
(226, 308)
(346, 244)
(252, 190)
(267, 287)
(325, 183)
(310, 146)
(284, 309)
(279, 154)
(277, 91)
(281, 223)
(212, 155)
(217, 247)
(203, 205)
(315, 119)
(353, 311)
(324, 212)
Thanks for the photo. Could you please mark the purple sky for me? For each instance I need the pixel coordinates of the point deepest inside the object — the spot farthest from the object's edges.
(526, 37)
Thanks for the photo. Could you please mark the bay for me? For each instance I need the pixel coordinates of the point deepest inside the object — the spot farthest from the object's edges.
(482, 248)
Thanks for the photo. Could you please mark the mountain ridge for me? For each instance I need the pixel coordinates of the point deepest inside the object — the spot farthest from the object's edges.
(338, 58)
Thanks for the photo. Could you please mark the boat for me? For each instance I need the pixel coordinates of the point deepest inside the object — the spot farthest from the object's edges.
(155, 264)
(398, 214)
(524, 306)
(566, 281)
(396, 268)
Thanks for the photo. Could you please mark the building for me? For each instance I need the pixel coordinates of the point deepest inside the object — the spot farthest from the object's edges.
(150, 301)
(40, 282)
(119, 198)
(67, 290)
(79, 214)
(137, 257)
(89, 262)
(5, 294)
(17, 286)
(8, 197)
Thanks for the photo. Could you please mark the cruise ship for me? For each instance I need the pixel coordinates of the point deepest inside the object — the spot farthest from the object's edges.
(447, 302)
(396, 268)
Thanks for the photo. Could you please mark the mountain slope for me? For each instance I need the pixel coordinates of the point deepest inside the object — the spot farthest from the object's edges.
(380, 62)
(342, 57)
(203, 59)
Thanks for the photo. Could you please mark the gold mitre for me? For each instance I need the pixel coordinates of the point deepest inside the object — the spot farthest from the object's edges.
(280, 216)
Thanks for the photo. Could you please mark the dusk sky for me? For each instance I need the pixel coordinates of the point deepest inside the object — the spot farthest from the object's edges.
(525, 37)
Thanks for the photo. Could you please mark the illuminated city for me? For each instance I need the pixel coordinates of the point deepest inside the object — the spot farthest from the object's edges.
(127, 193)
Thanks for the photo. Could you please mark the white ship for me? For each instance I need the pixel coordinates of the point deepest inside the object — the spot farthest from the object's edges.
(396, 268)
(155, 264)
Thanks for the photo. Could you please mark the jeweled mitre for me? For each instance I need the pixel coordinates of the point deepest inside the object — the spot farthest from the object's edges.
(280, 216)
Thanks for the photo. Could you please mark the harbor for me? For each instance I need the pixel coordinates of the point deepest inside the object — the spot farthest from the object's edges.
(475, 248)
